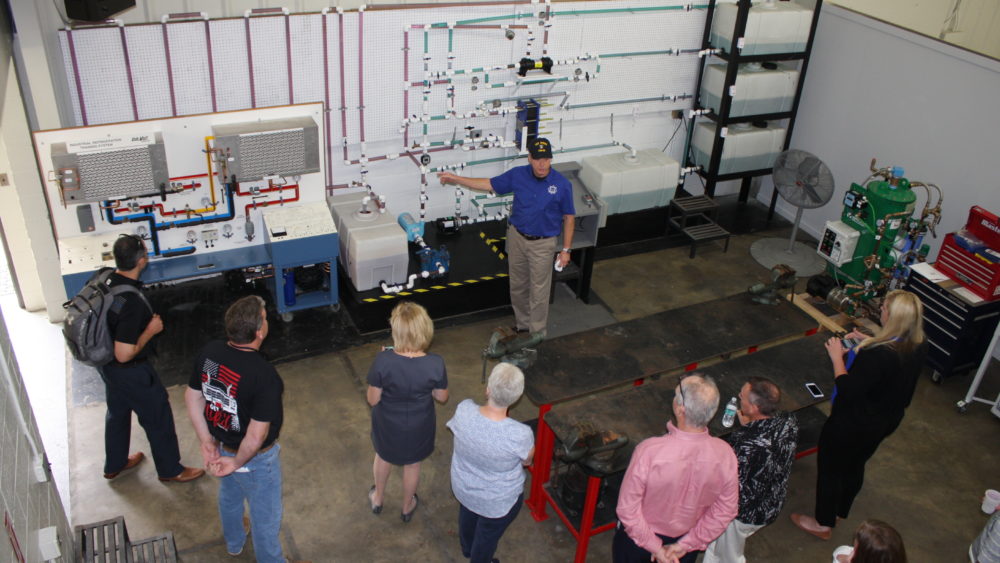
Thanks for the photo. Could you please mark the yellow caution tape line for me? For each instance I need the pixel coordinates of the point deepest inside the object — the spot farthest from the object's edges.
(422, 290)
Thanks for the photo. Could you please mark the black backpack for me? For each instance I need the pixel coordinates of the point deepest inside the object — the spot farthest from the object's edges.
(86, 325)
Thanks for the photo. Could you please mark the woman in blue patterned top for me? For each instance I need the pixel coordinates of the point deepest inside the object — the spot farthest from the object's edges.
(487, 466)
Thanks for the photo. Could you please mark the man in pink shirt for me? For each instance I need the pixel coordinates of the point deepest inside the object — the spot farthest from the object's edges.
(681, 489)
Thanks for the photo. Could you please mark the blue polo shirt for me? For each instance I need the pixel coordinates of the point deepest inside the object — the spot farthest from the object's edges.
(539, 203)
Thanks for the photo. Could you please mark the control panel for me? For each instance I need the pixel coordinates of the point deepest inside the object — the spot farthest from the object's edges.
(838, 242)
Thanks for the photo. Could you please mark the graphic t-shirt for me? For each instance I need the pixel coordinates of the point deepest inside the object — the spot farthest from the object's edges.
(238, 385)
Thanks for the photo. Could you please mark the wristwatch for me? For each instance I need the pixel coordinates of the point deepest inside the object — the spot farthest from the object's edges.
(565, 250)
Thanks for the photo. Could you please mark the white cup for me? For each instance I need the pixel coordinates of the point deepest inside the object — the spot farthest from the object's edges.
(842, 550)
(991, 500)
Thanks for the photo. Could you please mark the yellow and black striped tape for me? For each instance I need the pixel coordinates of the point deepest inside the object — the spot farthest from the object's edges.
(437, 287)
(490, 242)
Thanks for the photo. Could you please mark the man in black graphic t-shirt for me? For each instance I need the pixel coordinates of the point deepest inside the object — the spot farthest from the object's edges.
(234, 402)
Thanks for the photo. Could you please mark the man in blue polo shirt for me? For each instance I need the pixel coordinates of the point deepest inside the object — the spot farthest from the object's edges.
(543, 205)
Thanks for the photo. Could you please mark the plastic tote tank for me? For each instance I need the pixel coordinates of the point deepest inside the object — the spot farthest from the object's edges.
(772, 27)
(759, 89)
(373, 246)
(629, 183)
(745, 147)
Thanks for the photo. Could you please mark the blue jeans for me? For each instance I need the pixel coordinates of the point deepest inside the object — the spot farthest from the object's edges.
(480, 535)
(260, 486)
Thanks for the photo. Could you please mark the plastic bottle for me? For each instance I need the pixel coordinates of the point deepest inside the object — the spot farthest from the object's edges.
(729, 416)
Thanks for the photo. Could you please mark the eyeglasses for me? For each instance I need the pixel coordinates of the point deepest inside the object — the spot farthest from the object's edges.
(680, 385)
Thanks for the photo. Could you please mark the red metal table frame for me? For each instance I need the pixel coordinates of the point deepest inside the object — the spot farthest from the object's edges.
(541, 470)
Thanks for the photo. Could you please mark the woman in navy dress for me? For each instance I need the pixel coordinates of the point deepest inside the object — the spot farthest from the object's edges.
(403, 383)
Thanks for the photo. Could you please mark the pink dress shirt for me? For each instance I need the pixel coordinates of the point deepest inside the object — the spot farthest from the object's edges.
(681, 484)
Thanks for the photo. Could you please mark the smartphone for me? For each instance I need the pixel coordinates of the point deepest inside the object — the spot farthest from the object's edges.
(814, 390)
(849, 343)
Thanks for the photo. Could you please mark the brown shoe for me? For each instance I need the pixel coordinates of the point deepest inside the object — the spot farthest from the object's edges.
(133, 460)
(809, 525)
(189, 474)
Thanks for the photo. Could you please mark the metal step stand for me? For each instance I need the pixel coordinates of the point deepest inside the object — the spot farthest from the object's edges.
(703, 210)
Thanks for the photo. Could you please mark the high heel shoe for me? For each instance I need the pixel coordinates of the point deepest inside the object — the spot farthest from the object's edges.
(406, 516)
(376, 508)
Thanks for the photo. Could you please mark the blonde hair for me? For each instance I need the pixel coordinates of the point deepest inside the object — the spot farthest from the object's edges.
(904, 327)
(412, 328)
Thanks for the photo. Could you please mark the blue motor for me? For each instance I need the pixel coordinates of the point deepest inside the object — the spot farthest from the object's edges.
(434, 263)
(414, 229)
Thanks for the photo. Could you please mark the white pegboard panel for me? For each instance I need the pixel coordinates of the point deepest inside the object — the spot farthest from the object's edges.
(307, 70)
(149, 74)
(71, 79)
(576, 30)
(269, 47)
(188, 43)
(229, 54)
(100, 63)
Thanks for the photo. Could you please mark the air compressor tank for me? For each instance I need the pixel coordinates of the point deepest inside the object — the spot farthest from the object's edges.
(877, 211)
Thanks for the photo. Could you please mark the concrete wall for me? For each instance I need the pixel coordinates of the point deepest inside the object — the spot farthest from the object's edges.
(31, 505)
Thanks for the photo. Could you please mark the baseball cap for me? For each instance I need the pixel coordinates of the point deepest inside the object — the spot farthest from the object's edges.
(540, 148)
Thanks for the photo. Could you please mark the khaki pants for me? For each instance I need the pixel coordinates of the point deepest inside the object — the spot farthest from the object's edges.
(728, 548)
(530, 264)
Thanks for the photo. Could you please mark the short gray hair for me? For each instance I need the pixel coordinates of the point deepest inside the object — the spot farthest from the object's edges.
(505, 386)
(700, 398)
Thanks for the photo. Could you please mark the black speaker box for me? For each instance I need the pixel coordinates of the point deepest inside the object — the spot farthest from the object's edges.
(96, 10)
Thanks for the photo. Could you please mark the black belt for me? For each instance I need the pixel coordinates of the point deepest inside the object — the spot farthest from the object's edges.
(130, 363)
(528, 237)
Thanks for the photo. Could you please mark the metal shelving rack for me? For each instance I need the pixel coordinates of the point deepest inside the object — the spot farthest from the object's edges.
(733, 60)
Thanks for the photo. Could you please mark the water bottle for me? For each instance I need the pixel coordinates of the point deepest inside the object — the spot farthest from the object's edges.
(729, 416)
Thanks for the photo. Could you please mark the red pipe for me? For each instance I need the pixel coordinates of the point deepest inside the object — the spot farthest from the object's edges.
(270, 188)
(406, 80)
(343, 95)
(257, 204)
(361, 72)
(326, 98)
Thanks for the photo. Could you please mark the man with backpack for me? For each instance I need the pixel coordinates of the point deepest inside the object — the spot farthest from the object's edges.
(131, 383)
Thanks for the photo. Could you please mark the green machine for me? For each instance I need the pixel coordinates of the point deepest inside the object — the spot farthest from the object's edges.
(870, 248)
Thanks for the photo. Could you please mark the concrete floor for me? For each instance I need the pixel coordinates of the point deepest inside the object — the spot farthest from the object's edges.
(926, 479)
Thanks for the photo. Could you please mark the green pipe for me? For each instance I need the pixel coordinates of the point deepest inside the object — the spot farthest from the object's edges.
(426, 34)
(516, 156)
(451, 34)
(481, 20)
(614, 102)
(636, 54)
(629, 10)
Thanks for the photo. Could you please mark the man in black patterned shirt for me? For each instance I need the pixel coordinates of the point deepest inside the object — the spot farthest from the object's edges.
(765, 449)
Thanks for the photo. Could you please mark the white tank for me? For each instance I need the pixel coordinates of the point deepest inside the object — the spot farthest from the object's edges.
(630, 183)
(373, 247)
(757, 90)
(745, 147)
(772, 27)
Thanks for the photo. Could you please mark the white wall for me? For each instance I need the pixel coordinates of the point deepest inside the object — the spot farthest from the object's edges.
(873, 90)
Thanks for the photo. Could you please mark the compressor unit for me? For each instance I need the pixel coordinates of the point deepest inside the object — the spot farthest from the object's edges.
(878, 237)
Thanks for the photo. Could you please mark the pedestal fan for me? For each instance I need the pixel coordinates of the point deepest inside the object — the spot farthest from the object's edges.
(805, 182)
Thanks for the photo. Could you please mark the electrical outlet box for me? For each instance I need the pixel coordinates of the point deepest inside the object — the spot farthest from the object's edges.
(48, 544)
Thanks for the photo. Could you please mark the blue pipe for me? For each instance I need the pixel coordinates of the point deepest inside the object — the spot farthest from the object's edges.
(154, 226)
